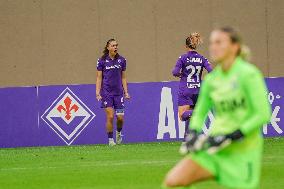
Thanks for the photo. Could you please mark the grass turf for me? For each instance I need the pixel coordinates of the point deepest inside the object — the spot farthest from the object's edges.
(131, 166)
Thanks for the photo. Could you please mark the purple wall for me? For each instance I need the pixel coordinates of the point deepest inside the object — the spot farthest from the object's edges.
(65, 115)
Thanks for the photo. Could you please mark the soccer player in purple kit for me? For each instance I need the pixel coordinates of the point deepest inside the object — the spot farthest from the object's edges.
(189, 69)
(111, 88)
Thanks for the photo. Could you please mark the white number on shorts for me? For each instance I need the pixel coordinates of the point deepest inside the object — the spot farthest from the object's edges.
(193, 70)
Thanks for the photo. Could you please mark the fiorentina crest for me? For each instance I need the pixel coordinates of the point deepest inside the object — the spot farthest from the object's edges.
(68, 116)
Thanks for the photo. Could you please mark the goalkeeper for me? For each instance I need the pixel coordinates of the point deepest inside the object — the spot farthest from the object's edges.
(231, 153)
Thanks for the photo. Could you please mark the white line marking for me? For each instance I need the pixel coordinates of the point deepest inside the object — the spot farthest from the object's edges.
(95, 164)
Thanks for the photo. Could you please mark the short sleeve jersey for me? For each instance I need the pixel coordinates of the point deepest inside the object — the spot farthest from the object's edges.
(111, 75)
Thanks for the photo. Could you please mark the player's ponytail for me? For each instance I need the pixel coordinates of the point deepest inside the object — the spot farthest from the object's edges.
(105, 51)
(193, 40)
(243, 51)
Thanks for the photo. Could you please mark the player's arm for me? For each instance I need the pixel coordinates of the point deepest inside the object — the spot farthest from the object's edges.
(124, 85)
(99, 84)
(208, 66)
(256, 92)
(99, 79)
(177, 69)
(124, 80)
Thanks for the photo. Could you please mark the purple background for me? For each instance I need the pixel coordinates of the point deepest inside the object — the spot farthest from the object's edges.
(22, 107)
(18, 117)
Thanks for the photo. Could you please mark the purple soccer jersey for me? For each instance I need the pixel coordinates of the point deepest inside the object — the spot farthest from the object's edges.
(189, 68)
(112, 73)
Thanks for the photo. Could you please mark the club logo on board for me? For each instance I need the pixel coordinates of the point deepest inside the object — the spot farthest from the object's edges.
(68, 116)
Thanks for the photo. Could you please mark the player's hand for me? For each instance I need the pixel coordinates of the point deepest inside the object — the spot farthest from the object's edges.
(179, 75)
(127, 96)
(193, 142)
(99, 97)
(217, 143)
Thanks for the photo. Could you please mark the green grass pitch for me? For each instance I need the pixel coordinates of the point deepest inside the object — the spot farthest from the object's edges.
(131, 166)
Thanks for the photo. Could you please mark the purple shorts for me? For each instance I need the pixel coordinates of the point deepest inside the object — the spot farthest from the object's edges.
(190, 99)
(116, 102)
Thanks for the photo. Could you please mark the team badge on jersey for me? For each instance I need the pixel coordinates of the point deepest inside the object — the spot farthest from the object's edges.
(68, 116)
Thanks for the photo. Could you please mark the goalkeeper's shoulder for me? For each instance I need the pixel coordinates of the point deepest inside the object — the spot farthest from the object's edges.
(209, 78)
(249, 69)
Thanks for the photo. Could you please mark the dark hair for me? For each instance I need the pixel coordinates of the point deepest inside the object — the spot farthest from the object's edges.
(106, 51)
(193, 40)
(243, 51)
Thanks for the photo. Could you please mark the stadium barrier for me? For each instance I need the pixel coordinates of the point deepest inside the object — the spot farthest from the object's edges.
(65, 115)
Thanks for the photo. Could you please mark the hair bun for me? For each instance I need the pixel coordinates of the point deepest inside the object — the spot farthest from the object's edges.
(245, 53)
(193, 40)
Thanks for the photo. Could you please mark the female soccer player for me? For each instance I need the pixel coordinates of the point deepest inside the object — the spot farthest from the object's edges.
(110, 86)
(189, 69)
(231, 153)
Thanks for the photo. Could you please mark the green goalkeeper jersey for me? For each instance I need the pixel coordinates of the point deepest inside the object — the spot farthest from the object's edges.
(238, 99)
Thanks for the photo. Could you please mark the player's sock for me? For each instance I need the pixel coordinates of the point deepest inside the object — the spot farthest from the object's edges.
(119, 129)
(110, 135)
(186, 115)
(186, 130)
(118, 137)
(119, 125)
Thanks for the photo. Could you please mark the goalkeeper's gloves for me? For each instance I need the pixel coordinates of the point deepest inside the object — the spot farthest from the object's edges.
(216, 143)
(193, 142)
